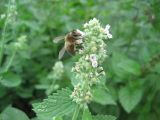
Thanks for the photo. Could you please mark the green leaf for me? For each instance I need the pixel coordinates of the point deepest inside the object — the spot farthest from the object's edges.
(124, 66)
(58, 104)
(100, 95)
(35, 118)
(129, 98)
(70, 74)
(86, 115)
(10, 80)
(11, 113)
(2, 91)
(157, 68)
(104, 117)
(57, 118)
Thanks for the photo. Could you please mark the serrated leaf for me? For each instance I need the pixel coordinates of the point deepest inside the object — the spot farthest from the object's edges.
(58, 104)
(86, 115)
(100, 95)
(129, 98)
(10, 80)
(104, 117)
(11, 113)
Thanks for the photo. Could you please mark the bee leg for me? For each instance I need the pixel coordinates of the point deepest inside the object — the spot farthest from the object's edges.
(61, 53)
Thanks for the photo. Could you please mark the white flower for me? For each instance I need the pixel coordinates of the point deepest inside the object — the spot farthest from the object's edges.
(103, 73)
(97, 74)
(77, 68)
(91, 74)
(85, 25)
(93, 57)
(88, 70)
(94, 64)
(87, 57)
(106, 31)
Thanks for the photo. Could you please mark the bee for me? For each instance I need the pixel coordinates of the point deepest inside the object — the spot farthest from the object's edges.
(70, 39)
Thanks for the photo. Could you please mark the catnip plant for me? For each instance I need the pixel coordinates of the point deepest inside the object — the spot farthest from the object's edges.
(88, 72)
(12, 46)
(10, 18)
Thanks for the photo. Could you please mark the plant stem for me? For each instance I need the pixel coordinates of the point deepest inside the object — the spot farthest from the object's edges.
(2, 42)
(9, 62)
(3, 34)
(76, 112)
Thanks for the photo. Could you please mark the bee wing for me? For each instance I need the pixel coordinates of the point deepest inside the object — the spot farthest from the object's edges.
(61, 53)
(57, 39)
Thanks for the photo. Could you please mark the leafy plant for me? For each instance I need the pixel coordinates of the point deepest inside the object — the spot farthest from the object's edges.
(30, 70)
(88, 72)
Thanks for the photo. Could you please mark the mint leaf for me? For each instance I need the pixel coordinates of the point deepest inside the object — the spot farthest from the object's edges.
(10, 80)
(102, 96)
(104, 117)
(11, 113)
(129, 98)
(58, 104)
(86, 115)
(57, 118)
(124, 66)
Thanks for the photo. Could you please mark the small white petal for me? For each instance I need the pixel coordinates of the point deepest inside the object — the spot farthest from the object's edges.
(87, 57)
(109, 36)
(106, 31)
(107, 27)
(93, 57)
(94, 64)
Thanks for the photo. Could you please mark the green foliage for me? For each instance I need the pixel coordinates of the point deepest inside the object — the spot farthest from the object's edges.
(124, 66)
(86, 115)
(57, 118)
(58, 104)
(104, 117)
(11, 113)
(132, 66)
(102, 96)
(10, 79)
(129, 98)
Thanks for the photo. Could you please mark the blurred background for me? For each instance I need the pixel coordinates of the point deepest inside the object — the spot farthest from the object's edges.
(132, 68)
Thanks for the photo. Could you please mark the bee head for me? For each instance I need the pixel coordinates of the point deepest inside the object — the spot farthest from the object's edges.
(77, 34)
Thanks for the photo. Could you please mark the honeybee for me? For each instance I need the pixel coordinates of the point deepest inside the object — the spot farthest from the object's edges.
(70, 39)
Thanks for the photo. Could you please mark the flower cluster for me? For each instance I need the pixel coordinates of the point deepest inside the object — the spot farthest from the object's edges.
(88, 69)
(11, 14)
(57, 72)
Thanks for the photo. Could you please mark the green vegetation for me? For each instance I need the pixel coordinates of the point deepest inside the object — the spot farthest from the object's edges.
(30, 71)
